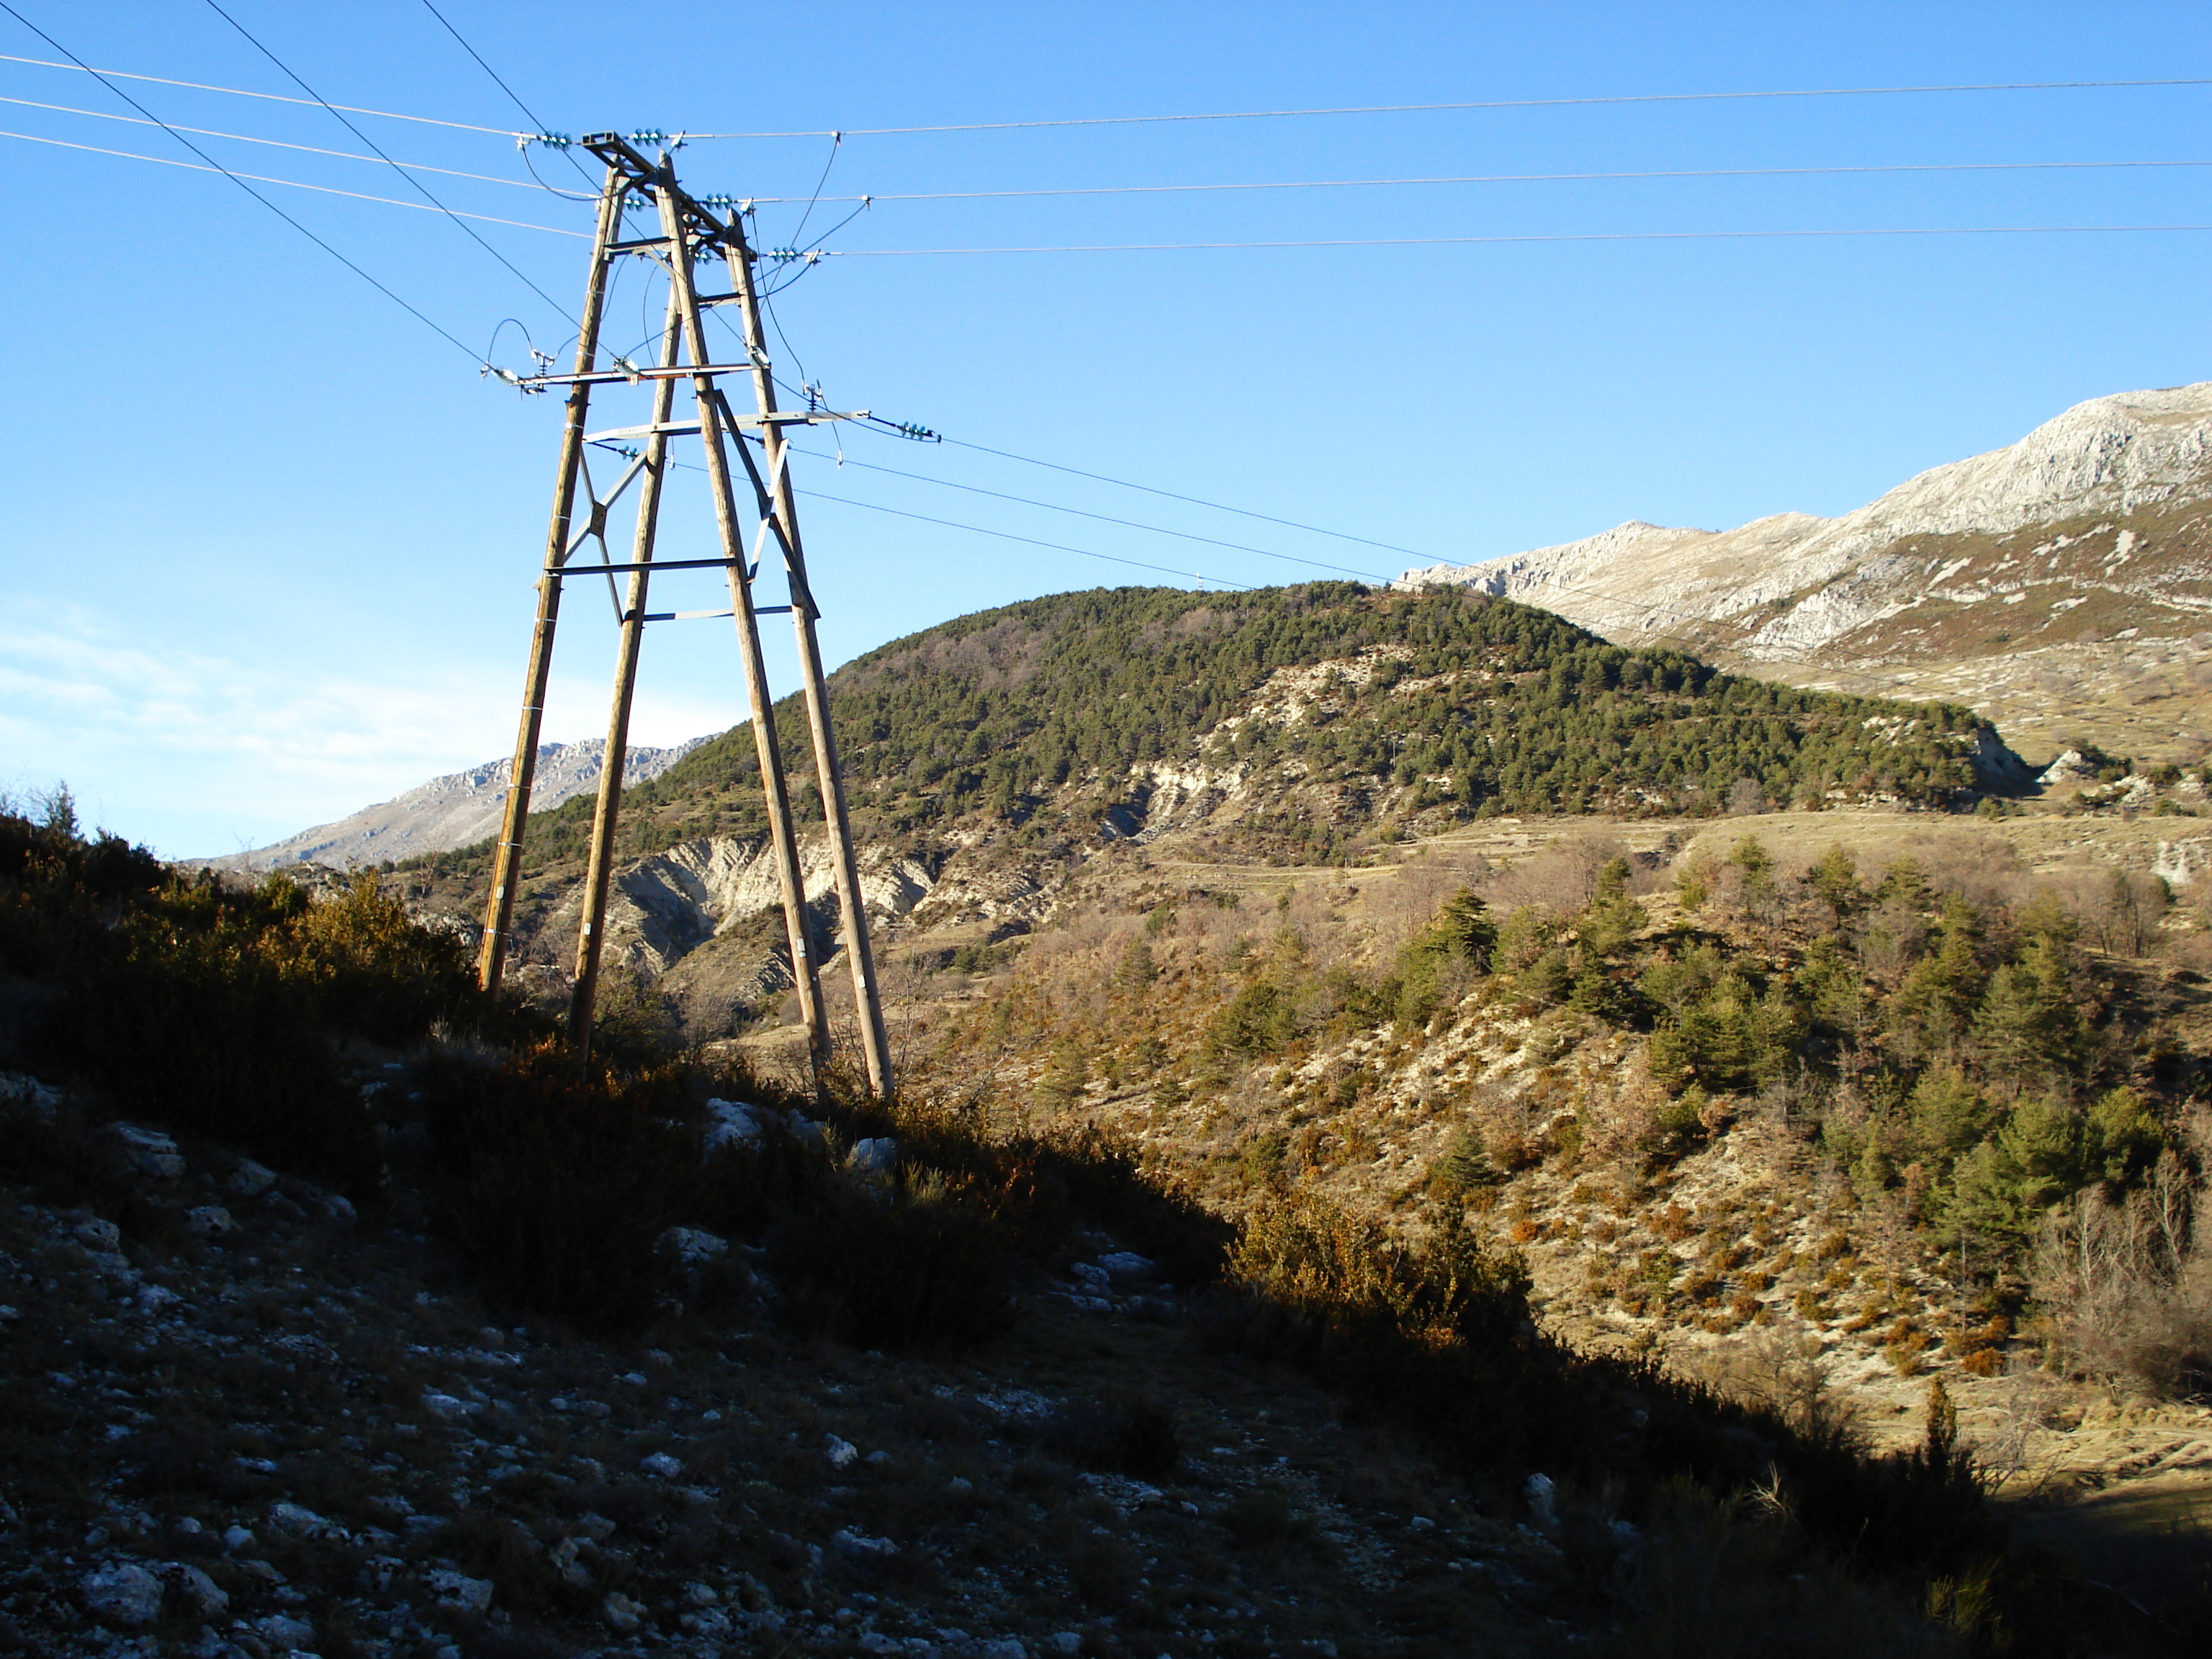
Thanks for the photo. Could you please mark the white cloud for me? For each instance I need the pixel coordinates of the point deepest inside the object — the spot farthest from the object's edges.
(198, 753)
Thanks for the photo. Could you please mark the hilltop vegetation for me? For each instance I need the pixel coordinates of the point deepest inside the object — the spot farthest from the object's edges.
(1044, 716)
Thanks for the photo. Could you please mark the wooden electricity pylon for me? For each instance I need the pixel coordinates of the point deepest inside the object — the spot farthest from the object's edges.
(689, 231)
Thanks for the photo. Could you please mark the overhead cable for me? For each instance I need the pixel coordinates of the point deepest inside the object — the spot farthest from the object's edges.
(1500, 103)
(1464, 241)
(1496, 179)
(240, 92)
(1102, 518)
(217, 166)
(514, 97)
(1007, 536)
(212, 166)
(423, 189)
(1169, 494)
(273, 144)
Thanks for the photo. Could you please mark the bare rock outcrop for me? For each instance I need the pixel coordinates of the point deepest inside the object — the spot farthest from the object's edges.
(2122, 481)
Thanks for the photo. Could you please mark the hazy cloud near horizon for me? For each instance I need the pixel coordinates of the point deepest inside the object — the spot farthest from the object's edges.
(249, 752)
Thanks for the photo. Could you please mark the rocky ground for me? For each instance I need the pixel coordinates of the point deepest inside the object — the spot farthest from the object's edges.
(245, 1419)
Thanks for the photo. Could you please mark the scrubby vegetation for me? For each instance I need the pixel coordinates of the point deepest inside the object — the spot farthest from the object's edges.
(552, 1182)
(215, 1008)
(1464, 705)
(1999, 1095)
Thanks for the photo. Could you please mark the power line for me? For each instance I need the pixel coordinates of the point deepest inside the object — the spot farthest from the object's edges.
(274, 143)
(1464, 241)
(1169, 494)
(460, 224)
(1102, 518)
(1505, 103)
(291, 184)
(1007, 536)
(513, 96)
(1651, 637)
(217, 166)
(236, 92)
(1498, 179)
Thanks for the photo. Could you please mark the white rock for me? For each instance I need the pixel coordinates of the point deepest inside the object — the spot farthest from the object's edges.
(732, 1123)
(622, 1615)
(96, 1234)
(238, 1538)
(206, 1598)
(808, 1132)
(841, 1453)
(125, 1595)
(858, 1546)
(151, 1152)
(1064, 1642)
(700, 1596)
(285, 1633)
(209, 1221)
(457, 1591)
(2071, 767)
(299, 1520)
(661, 1464)
(19, 1088)
(446, 1407)
(1002, 1647)
(693, 1247)
(339, 1207)
(250, 1180)
(153, 1299)
(1540, 1490)
(875, 1157)
(1128, 1265)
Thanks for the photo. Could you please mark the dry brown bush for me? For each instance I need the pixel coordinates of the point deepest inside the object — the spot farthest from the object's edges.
(2126, 1283)
(1779, 1370)
(1559, 881)
(2119, 910)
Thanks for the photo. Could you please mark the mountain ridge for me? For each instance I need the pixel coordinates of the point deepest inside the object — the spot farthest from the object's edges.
(2089, 533)
(452, 810)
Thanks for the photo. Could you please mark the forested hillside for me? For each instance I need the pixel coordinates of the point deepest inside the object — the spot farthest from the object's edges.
(1443, 702)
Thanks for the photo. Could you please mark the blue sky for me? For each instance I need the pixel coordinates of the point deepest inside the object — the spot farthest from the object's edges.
(269, 539)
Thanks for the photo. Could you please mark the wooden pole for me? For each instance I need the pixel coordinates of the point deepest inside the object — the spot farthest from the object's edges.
(783, 838)
(506, 856)
(600, 872)
(854, 914)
